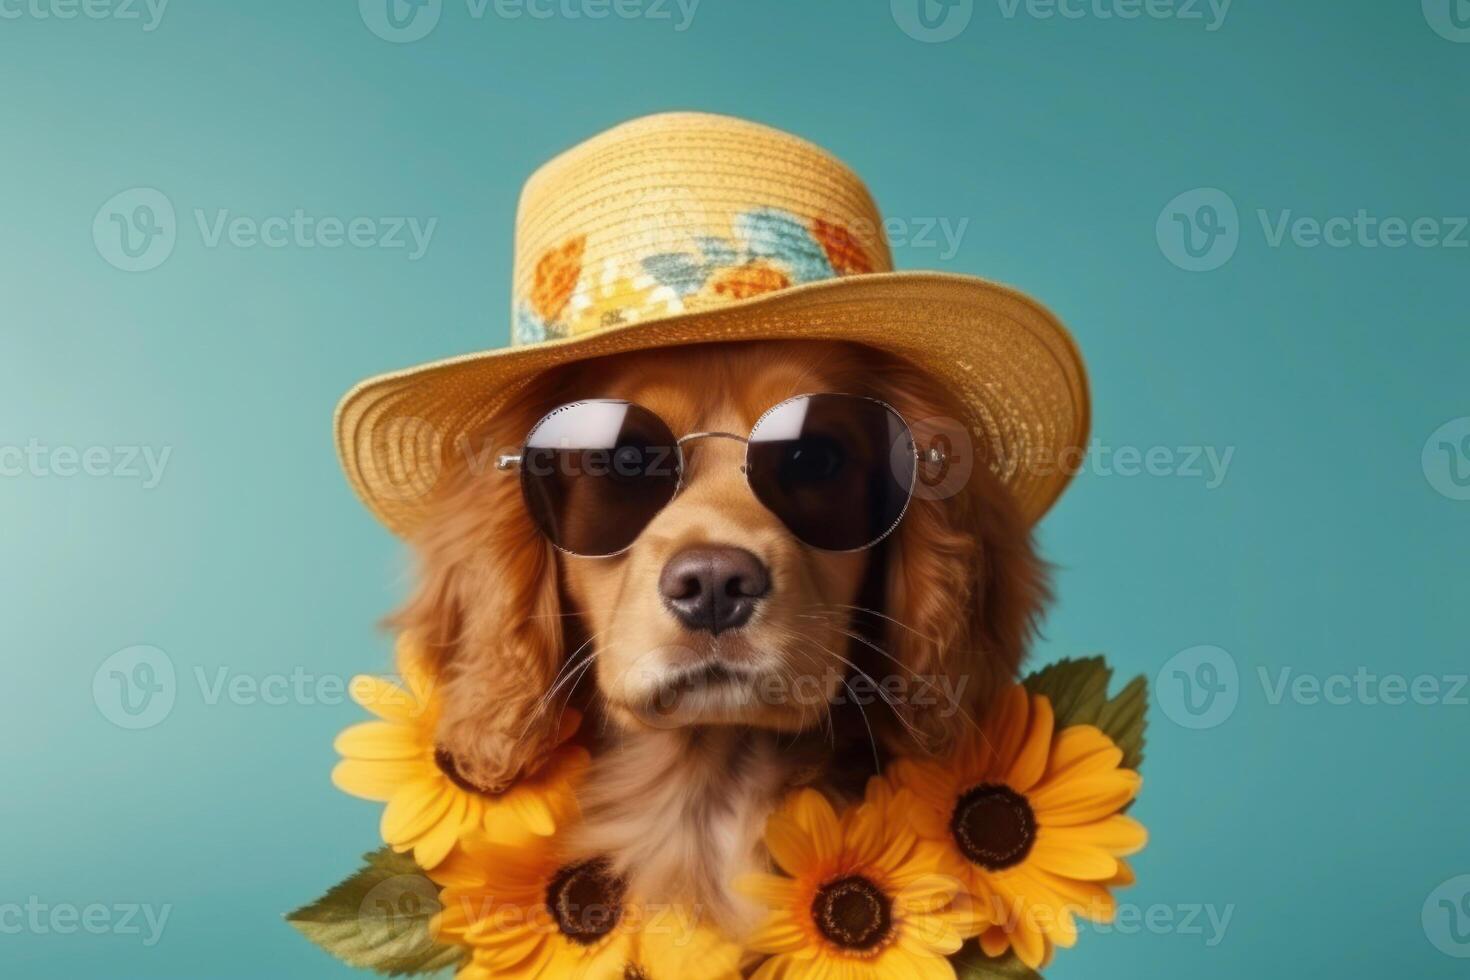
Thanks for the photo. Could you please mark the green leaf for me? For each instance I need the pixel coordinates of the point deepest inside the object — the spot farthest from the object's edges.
(1078, 690)
(971, 963)
(379, 918)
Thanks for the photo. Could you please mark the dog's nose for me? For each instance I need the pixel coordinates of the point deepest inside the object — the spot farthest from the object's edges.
(713, 588)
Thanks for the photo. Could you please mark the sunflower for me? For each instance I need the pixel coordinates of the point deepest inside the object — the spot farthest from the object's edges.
(430, 806)
(526, 911)
(1030, 822)
(862, 900)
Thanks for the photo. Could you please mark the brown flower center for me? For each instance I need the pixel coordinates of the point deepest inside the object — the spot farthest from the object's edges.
(444, 759)
(586, 900)
(633, 971)
(853, 913)
(993, 826)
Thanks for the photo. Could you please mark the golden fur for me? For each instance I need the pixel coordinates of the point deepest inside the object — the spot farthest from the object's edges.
(942, 609)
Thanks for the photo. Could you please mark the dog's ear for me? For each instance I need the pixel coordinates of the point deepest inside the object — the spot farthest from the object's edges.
(963, 579)
(487, 607)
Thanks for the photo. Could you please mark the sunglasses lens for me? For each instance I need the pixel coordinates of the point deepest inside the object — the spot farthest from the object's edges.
(836, 469)
(595, 473)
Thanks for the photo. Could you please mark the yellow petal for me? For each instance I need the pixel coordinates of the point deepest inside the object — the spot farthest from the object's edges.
(1030, 764)
(1070, 860)
(966, 916)
(876, 838)
(1066, 802)
(778, 935)
(434, 846)
(931, 783)
(995, 941)
(413, 810)
(376, 780)
(1007, 726)
(784, 968)
(379, 740)
(1029, 944)
(790, 846)
(1088, 899)
(1082, 750)
(927, 893)
(517, 944)
(811, 812)
(385, 699)
(1117, 835)
(534, 964)
(531, 809)
(772, 891)
(931, 934)
(1046, 909)
(905, 963)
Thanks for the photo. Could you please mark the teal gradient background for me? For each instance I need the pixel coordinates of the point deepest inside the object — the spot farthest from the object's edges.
(1325, 548)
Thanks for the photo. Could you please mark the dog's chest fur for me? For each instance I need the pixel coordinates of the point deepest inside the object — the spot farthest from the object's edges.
(680, 813)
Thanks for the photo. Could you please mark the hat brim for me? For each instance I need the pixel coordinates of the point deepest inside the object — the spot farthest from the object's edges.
(1006, 359)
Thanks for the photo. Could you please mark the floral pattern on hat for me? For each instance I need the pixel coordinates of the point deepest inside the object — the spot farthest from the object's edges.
(771, 250)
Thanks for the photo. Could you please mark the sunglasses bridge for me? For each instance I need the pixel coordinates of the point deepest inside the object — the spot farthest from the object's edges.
(511, 461)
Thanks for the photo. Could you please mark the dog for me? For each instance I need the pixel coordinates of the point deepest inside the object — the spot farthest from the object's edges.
(934, 618)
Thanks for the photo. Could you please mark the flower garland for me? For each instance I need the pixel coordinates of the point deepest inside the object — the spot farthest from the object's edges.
(975, 865)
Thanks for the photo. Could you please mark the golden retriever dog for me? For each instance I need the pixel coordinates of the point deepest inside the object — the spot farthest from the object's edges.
(719, 660)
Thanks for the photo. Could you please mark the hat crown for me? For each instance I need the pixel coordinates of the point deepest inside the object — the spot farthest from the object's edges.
(680, 212)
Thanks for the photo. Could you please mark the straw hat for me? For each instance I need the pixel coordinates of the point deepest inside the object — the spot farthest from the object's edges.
(686, 228)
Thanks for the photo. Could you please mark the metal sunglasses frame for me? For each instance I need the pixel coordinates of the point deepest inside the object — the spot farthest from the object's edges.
(932, 455)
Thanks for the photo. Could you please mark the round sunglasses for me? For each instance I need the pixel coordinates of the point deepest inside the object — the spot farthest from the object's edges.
(837, 470)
